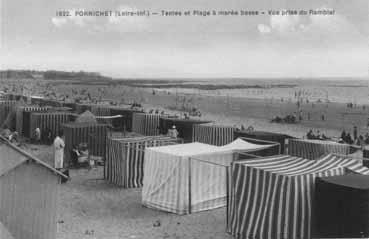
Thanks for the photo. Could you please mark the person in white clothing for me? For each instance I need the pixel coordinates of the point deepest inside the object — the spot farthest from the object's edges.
(59, 151)
(37, 135)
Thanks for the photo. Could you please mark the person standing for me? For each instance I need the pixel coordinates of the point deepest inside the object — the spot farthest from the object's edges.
(58, 151)
(355, 132)
(37, 135)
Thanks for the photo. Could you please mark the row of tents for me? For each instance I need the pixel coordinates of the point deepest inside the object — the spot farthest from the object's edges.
(270, 191)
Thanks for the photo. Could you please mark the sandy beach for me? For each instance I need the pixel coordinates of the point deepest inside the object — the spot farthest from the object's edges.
(235, 110)
(91, 208)
(229, 110)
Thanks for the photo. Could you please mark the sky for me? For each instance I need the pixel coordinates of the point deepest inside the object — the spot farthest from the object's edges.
(33, 37)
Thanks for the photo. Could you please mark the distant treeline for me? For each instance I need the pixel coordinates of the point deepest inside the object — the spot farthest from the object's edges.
(53, 75)
(94, 78)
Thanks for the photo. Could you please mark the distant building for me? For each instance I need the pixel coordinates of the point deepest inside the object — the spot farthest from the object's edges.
(29, 192)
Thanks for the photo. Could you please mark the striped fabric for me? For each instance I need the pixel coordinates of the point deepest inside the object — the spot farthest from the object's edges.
(91, 133)
(145, 124)
(351, 164)
(49, 120)
(366, 152)
(23, 121)
(125, 158)
(6, 107)
(124, 123)
(183, 126)
(81, 108)
(272, 197)
(212, 134)
(100, 110)
(189, 177)
(313, 149)
(169, 172)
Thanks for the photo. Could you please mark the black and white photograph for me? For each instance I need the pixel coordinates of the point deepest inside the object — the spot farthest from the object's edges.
(173, 119)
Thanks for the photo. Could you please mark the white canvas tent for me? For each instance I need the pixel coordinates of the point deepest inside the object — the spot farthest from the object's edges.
(189, 177)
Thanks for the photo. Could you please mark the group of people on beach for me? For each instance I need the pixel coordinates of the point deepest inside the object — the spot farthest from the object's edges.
(359, 140)
(345, 138)
(316, 135)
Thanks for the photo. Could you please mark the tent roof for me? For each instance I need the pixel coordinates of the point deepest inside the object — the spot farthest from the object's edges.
(264, 133)
(215, 125)
(182, 120)
(352, 164)
(4, 233)
(189, 149)
(350, 180)
(16, 157)
(317, 141)
(86, 117)
(240, 144)
(291, 166)
(196, 148)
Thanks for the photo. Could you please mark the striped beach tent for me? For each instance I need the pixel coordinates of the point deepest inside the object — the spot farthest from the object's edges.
(145, 124)
(80, 108)
(91, 133)
(6, 107)
(272, 197)
(49, 120)
(23, 118)
(313, 149)
(264, 135)
(213, 134)
(125, 158)
(366, 152)
(100, 110)
(183, 126)
(125, 122)
(189, 177)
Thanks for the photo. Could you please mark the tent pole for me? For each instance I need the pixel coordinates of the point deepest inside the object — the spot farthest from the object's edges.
(227, 194)
(189, 185)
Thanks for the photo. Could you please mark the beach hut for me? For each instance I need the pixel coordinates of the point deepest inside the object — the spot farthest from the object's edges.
(263, 135)
(341, 207)
(93, 134)
(80, 108)
(272, 197)
(213, 134)
(366, 152)
(124, 122)
(100, 110)
(145, 124)
(23, 118)
(6, 107)
(189, 177)
(37, 100)
(313, 149)
(183, 126)
(49, 120)
(96, 109)
(50, 102)
(125, 158)
(29, 192)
